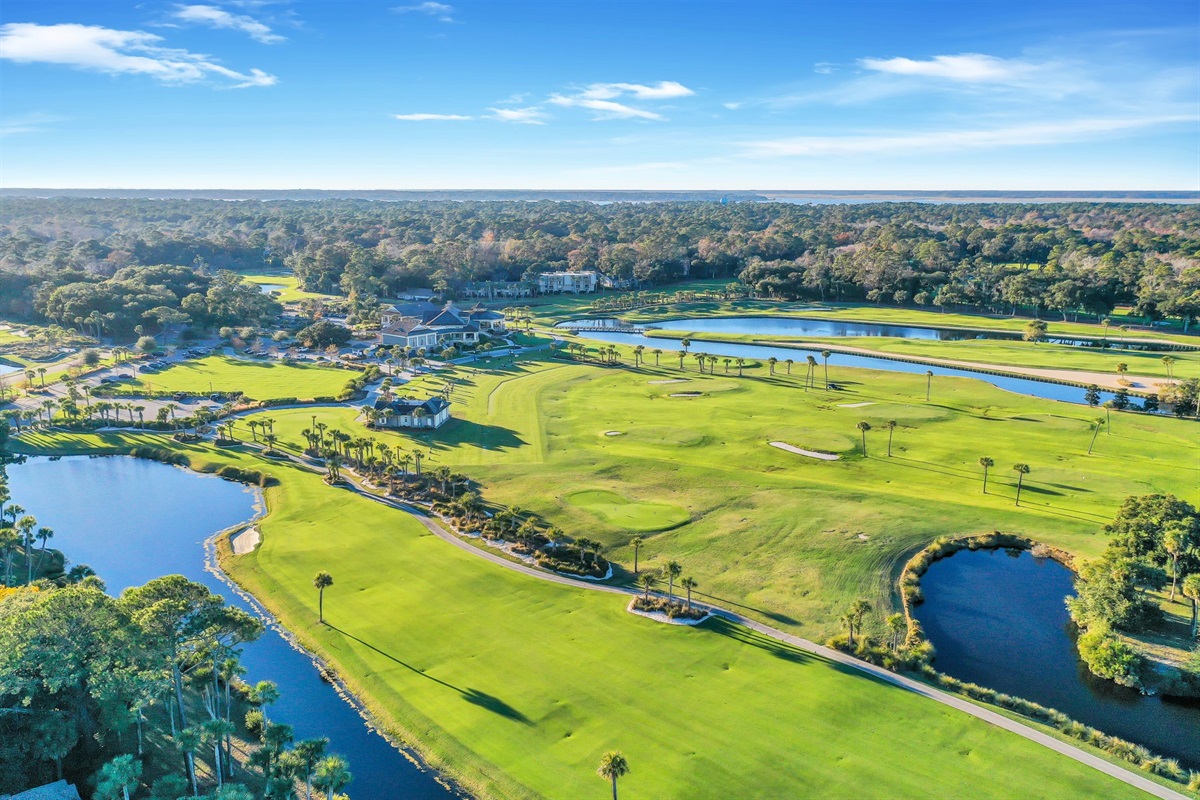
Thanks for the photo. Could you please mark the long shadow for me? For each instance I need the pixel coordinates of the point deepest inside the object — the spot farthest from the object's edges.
(783, 618)
(473, 696)
(744, 635)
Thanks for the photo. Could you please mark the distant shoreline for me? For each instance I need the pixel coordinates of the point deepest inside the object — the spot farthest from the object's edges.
(818, 196)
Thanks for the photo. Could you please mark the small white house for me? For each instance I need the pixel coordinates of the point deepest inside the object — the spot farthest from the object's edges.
(408, 412)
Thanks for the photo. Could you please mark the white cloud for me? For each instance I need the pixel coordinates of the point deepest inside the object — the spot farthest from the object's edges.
(950, 140)
(431, 117)
(663, 90)
(215, 17)
(443, 12)
(605, 109)
(967, 68)
(116, 52)
(531, 115)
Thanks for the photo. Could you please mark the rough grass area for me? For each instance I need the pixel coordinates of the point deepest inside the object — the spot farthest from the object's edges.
(621, 512)
(517, 686)
(778, 534)
(260, 380)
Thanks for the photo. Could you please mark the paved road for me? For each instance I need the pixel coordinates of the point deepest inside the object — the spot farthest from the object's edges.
(1130, 777)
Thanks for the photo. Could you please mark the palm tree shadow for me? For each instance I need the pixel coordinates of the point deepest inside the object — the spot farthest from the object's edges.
(781, 618)
(473, 696)
(741, 633)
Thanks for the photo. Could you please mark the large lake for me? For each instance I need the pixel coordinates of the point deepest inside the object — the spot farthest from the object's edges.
(133, 520)
(999, 619)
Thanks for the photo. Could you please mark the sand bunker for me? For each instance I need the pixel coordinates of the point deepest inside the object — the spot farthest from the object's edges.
(670, 380)
(245, 541)
(614, 433)
(687, 394)
(802, 452)
(854, 405)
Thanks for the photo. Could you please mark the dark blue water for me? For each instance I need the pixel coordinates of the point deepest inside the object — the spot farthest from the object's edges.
(795, 326)
(1049, 391)
(1000, 621)
(133, 520)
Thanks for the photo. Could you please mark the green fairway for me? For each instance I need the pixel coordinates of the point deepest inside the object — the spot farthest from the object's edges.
(621, 512)
(517, 686)
(791, 539)
(288, 287)
(260, 380)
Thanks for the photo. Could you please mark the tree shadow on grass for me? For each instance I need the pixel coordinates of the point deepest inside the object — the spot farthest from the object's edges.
(744, 635)
(723, 601)
(464, 431)
(472, 696)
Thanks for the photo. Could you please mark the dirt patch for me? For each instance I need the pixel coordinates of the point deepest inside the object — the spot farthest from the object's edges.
(245, 541)
(800, 451)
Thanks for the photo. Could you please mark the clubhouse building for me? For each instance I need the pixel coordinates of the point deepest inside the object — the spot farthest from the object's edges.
(407, 412)
(428, 325)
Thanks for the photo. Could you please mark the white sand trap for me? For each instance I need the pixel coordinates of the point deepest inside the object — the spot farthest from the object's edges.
(687, 394)
(802, 452)
(614, 433)
(245, 541)
(854, 405)
(671, 380)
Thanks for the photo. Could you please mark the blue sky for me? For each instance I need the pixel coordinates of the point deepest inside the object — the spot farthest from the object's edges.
(404, 94)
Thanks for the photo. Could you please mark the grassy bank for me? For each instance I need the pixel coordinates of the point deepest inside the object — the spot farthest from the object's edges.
(517, 686)
(259, 379)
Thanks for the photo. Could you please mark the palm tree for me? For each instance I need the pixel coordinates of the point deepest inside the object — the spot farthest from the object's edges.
(332, 775)
(1177, 540)
(789, 363)
(771, 362)
(986, 463)
(309, 753)
(637, 543)
(1169, 362)
(321, 581)
(647, 580)
(928, 383)
(612, 766)
(1191, 590)
(264, 693)
(657, 352)
(45, 535)
(1022, 470)
(219, 730)
(671, 571)
(897, 626)
(863, 427)
(1095, 432)
(825, 354)
(682, 355)
(741, 362)
(188, 740)
(854, 617)
(123, 772)
(685, 344)
(689, 583)
(891, 426)
(812, 367)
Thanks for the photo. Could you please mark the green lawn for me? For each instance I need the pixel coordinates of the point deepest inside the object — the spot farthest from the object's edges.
(517, 686)
(259, 379)
(289, 290)
(791, 539)
(621, 512)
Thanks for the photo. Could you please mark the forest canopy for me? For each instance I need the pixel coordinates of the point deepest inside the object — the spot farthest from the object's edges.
(59, 255)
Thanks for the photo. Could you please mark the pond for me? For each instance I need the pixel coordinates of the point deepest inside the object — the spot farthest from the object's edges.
(133, 520)
(267, 288)
(998, 618)
(1049, 391)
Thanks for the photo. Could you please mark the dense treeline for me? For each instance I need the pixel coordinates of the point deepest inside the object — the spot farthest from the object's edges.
(1089, 257)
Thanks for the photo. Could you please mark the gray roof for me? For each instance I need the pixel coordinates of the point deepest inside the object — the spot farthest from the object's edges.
(407, 405)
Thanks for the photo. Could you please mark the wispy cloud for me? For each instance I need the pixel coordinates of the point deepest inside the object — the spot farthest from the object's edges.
(215, 17)
(36, 122)
(530, 115)
(602, 98)
(966, 68)
(947, 140)
(116, 52)
(420, 117)
(443, 12)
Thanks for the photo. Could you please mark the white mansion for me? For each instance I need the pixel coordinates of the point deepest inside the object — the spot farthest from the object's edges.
(427, 325)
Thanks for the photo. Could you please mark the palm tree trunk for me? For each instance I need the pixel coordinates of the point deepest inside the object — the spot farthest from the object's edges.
(614, 787)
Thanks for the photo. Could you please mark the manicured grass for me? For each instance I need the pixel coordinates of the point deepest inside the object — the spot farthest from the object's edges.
(518, 686)
(260, 380)
(986, 351)
(620, 512)
(289, 291)
(793, 540)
